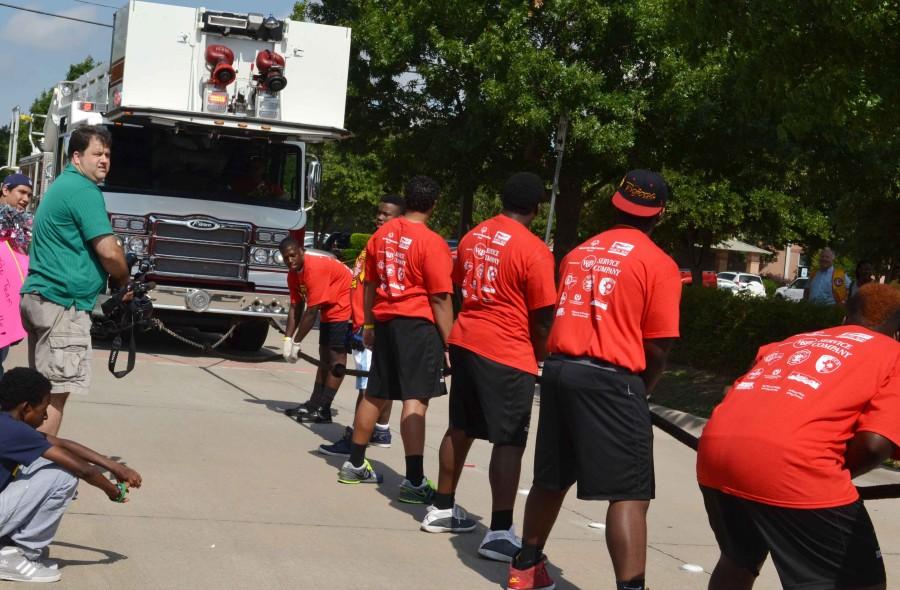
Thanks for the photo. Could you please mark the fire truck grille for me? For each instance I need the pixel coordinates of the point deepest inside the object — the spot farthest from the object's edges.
(200, 268)
(223, 235)
(198, 250)
(215, 253)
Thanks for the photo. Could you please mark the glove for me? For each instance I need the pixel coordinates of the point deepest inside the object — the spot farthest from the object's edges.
(290, 350)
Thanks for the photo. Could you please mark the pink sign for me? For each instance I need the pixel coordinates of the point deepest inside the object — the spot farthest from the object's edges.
(13, 269)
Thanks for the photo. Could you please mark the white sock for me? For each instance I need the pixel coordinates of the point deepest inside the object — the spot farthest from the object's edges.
(382, 426)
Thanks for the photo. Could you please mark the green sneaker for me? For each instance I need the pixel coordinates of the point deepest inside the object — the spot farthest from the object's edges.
(420, 494)
(362, 474)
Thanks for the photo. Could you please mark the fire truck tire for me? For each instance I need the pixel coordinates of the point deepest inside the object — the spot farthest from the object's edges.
(249, 335)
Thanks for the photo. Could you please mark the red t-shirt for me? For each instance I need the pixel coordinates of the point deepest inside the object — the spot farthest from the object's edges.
(503, 271)
(780, 435)
(616, 290)
(357, 292)
(407, 262)
(322, 281)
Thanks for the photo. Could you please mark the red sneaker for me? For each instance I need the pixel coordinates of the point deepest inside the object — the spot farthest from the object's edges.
(534, 578)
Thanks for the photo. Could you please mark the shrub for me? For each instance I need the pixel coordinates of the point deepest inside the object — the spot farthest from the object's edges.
(721, 333)
(357, 244)
(770, 286)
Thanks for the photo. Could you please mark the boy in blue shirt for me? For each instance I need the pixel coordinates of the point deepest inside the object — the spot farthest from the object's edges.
(38, 477)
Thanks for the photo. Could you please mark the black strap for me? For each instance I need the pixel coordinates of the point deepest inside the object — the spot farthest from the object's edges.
(114, 353)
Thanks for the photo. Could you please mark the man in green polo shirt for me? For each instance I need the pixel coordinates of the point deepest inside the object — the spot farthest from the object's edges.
(73, 250)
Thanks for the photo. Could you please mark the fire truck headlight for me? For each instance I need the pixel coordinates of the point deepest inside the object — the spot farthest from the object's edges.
(260, 255)
(137, 245)
(277, 258)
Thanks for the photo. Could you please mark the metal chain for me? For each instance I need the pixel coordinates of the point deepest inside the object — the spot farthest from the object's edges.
(159, 325)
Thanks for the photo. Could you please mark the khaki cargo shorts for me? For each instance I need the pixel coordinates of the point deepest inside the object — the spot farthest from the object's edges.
(59, 343)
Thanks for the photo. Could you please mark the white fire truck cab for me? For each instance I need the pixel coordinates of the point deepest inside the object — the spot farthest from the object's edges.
(211, 115)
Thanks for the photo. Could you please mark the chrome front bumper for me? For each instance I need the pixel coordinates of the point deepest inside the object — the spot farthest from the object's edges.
(212, 301)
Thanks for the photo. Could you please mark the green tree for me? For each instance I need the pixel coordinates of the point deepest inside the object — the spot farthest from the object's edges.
(772, 122)
(469, 92)
(779, 122)
(40, 106)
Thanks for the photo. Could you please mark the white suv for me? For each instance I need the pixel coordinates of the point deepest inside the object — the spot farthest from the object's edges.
(742, 282)
(792, 292)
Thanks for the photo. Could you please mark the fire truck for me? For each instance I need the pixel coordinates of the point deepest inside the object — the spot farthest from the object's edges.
(212, 114)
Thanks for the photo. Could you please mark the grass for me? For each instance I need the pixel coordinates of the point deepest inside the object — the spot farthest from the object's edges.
(690, 390)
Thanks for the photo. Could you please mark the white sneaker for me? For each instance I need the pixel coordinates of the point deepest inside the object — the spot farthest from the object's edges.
(500, 545)
(14, 566)
(449, 520)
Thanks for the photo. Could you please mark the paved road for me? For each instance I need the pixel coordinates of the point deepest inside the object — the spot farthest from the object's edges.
(235, 496)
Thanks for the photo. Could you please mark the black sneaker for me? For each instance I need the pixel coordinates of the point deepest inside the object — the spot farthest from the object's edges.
(314, 415)
(294, 412)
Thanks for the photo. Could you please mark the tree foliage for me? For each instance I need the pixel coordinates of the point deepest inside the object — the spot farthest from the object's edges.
(40, 106)
(772, 122)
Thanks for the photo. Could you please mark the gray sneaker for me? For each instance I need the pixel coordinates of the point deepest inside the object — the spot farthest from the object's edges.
(449, 520)
(14, 566)
(500, 545)
(420, 494)
(362, 474)
(45, 560)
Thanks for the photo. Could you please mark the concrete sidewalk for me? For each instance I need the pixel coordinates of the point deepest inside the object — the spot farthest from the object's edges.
(235, 495)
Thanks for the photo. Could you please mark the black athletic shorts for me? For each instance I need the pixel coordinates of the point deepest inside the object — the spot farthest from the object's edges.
(488, 400)
(407, 360)
(334, 335)
(594, 428)
(812, 549)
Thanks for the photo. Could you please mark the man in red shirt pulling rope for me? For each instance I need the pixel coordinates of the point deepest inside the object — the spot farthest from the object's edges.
(616, 318)
(324, 284)
(776, 459)
(504, 274)
(408, 316)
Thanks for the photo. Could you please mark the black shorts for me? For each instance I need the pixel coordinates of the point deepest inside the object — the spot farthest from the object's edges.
(407, 360)
(812, 549)
(594, 428)
(334, 335)
(488, 400)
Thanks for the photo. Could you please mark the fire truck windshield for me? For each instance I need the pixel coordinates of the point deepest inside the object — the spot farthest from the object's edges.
(157, 161)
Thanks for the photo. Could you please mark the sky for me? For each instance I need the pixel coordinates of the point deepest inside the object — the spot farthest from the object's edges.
(37, 50)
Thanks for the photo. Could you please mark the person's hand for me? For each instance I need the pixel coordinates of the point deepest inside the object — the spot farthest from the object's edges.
(447, 366)
(115, 494)
(369, 337)
(118, 493)
(127, 475)
(290, 350)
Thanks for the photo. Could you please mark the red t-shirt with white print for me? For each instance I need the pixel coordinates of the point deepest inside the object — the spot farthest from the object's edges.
(780, 435)
(407, 262)
(504, 271)
(616, 290)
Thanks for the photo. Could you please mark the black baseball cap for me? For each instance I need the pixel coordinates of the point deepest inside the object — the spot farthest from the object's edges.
(641, 193)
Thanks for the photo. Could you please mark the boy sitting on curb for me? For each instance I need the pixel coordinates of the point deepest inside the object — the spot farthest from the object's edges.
(38, 477)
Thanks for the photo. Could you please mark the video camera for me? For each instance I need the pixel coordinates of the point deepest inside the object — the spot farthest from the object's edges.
(121, 315)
